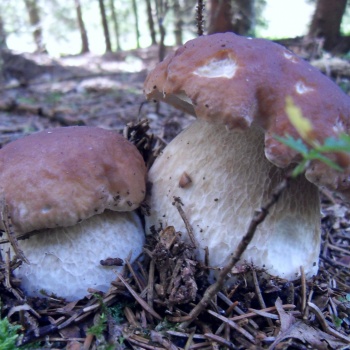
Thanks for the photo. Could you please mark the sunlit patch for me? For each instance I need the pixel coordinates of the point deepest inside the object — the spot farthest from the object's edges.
(301, 88)
(223, 68)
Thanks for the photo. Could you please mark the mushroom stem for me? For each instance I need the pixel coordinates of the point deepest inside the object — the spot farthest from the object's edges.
(230, 179)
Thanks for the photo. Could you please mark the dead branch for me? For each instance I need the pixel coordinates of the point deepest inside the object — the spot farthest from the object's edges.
(258, 218)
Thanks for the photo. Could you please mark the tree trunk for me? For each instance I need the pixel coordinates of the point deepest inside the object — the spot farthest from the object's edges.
(137, 31)
(178, 22)
(161, 10)
(220, 16)
(151, 22)
(105, 26)
(243, 17)
(115, 24)
(35, 22)
(3, 35)
(326, 22)
(82, 29)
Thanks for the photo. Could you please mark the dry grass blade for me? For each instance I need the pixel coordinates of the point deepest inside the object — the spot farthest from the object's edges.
(178, 204)
(6, 219)
(220, 340)
(233, 325)
(143, 303)
(326, 328)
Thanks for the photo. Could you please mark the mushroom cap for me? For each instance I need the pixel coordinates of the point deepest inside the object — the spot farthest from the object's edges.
(59, 177)
(238, 81)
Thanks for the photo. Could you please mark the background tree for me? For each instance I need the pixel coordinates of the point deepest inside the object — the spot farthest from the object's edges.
(105, 26)
(178, 18)
(82, 29)
(115, 24)
(326, 22)
(243, 16)
(3, 34)
(136, 16)
(35, 22)
(220, 16)
(151, 22)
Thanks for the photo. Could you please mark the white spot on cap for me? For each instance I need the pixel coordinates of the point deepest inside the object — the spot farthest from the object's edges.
(301, 88)
(289, 56)
(224, 68)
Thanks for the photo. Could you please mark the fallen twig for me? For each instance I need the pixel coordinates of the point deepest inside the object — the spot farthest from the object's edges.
(258, 218)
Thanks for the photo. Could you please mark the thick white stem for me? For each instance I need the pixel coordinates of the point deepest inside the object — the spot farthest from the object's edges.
(227, 178)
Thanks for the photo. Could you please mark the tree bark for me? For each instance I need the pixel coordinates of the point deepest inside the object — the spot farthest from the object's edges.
(326, 22)
(82, 29)
(115, 24)
(136, 16)
(35, 22)
(105, 26)
(3, 35)
(178, 22)
(151, 22)
(220, 16)
(243, 17)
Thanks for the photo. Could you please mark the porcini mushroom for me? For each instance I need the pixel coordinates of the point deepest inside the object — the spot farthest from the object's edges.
(237, 88)
(75, 189)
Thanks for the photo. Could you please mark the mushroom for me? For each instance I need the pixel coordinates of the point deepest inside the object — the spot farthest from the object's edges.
(74, 189)
(237, 88)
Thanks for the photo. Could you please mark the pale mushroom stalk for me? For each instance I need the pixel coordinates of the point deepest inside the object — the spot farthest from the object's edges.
(224, 193)
(237, 88)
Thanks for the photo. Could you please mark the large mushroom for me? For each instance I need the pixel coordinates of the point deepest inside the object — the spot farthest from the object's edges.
(74, 190)
(226, 164)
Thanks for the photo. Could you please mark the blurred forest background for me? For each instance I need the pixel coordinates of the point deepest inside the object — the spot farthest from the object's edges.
(79, 26)
(84, 61)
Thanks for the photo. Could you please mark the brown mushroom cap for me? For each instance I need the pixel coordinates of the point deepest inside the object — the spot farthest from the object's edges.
(237, 81)
(59, 177)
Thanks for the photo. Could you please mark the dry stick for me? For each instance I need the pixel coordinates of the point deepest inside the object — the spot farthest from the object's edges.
(6, 220)
(260, 297)
(325, 326)
(178, 203)
(143, 304)
(258, 218)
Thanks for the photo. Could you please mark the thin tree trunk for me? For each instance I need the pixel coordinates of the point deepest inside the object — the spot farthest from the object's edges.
(3, 35)
(115, 24)
(151, 22)
(326, 22)
(137, 31)
(220, 16)
(161, 10)
(243, 17)
(178, 22)
(35, 22)
(82, 29)
(105, 26)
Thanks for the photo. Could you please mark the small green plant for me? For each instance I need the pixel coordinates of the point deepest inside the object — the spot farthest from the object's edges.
(307, 145)
(8, 335)
(100, 326)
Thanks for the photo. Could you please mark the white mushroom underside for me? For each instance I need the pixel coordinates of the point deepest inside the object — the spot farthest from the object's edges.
(231, 178)
(66, 261)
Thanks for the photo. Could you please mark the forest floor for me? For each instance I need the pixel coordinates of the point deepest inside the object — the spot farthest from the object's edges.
(106, 91)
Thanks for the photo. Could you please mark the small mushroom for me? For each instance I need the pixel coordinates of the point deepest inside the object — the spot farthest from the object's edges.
(237, 88)
(75, 190)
